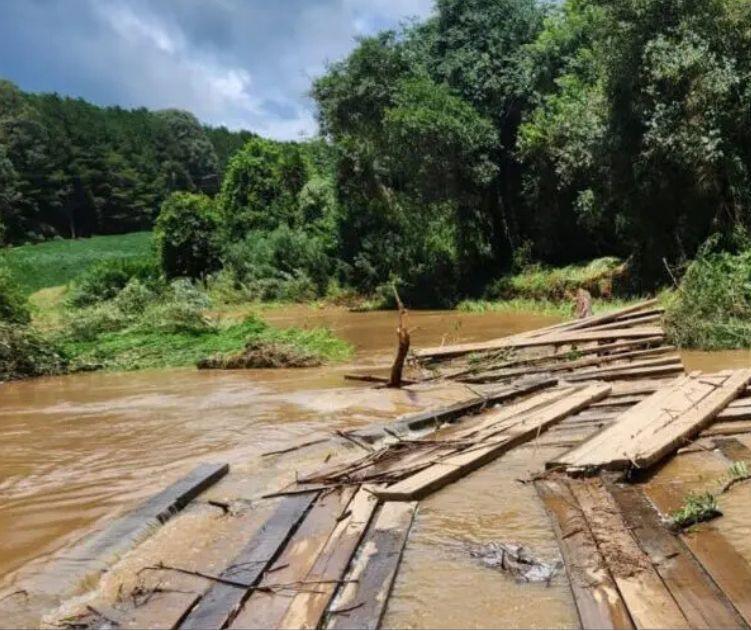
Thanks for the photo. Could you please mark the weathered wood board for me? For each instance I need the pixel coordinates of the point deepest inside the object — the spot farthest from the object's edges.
(361, 603)
(266, 609)
(222, 600)
(659, 425)
(490, 445)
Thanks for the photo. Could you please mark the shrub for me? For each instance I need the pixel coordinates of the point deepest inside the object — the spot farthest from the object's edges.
(88, 323)
(105, 280)
(712, 307)
(180, 310)
(13, 307)
(186, 236)
(283, 264)
(25, 353)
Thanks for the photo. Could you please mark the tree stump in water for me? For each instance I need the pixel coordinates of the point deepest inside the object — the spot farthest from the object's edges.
(402, 334)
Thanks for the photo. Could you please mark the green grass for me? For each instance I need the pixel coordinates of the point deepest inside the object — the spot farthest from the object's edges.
(562, 308)
(133, 350)
(711, 309)
(537, 282)
(54, 263)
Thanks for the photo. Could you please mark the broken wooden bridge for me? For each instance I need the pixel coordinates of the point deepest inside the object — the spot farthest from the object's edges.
(606, 391)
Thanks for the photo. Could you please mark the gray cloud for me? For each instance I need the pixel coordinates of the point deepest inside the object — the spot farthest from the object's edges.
(239, 63)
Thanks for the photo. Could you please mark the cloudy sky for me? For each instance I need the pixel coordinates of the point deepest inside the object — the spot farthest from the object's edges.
(240, 63)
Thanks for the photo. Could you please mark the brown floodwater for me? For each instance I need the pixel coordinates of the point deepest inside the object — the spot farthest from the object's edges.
(78, 450)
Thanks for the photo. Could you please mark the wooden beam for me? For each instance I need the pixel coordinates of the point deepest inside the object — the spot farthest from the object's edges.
(649, 602)
(729, 570)
(266, 609)
(700, 600)
(361, 603)
(490, 445)
(219, 604)
(597, 598)
(307, 608)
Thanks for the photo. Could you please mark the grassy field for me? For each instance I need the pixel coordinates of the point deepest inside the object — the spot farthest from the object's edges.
(57, 262)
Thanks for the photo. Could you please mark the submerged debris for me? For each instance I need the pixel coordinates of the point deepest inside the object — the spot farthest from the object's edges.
(259, 354)
(516, 560)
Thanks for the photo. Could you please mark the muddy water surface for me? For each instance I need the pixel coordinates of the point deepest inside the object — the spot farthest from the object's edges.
(78, 450)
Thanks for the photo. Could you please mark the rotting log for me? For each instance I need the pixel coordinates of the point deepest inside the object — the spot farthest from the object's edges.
(361, 602)
(220, 603)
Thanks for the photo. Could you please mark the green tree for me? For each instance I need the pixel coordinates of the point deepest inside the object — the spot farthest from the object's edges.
(186, 235)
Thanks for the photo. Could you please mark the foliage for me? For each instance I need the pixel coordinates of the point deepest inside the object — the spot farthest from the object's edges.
(69, 168)
(712, 307)
(25, 353)
(106, 279)
(60, 261)
(696, 508)
(186, 235)
(137, 349)
(13, 307)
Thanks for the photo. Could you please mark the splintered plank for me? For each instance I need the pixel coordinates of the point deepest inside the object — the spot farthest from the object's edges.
(307, 608)
(701, 601)
(649, 602)
(266, 609)
(729, 570)
(625, 373)
(659, 425)
(105, 546)
(222, 600)
(361, 603)
(597, 598)
(491, 445)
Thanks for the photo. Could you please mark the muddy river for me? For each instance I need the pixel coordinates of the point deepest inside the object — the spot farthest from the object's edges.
(78, 450)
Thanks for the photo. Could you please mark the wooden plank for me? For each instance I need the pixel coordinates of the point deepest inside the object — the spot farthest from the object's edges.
(307, 608)
(550, 339)
(658, 425)
(631, 373)
(600, 360)
(657, 361)
(665, 439)
(98, 551)
(222, 600)
(436, 417)
(649, 602)
(266, 609)
(735, 413)
(640, 320)
(362, 603)
(700, 600)
(597, 598)
(728, 428)
(733, 449)
(729, 570)
(489, 447)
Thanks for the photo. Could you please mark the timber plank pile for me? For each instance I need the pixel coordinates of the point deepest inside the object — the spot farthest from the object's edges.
(606, 390)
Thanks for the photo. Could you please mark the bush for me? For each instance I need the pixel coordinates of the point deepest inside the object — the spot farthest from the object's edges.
(284, 264)
(13, 307)
(712, 307)
(186, 236)
(88, 323)
(105, 280)
(24, 353)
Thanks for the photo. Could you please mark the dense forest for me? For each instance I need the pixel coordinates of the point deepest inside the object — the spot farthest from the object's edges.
(69, 168)
(494, 134)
